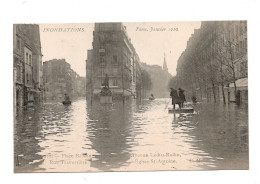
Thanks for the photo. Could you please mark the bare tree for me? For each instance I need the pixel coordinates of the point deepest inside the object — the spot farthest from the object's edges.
(226, 62)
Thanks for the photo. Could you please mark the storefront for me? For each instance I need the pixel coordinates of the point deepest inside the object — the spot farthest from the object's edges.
(241, 91)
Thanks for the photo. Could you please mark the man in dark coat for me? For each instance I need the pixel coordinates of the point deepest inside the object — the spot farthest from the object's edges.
(182, 96)
(175, 98)
(66, 97)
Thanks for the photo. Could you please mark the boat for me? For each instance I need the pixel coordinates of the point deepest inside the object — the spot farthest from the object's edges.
(66, 102)
(183, 110)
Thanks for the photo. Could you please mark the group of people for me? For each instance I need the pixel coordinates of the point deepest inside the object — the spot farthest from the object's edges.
(178, 97)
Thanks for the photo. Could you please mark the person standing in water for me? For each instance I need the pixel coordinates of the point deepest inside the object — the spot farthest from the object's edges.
(182, 96)
(175, 98)
(66, 97)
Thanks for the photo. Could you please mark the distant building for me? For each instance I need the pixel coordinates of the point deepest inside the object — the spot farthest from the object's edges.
(28, 84)
(113, 54)
(160, 78)
(59, 79)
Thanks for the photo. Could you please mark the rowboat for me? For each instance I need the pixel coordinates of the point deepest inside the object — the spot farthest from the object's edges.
(68, 102)
(183, 110)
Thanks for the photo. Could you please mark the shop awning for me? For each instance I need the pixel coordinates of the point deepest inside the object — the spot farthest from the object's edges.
(241, 84)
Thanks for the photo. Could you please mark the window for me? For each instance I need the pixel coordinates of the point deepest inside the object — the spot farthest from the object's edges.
(18, 43)
(18, 69)
(102, 71)
(30, 59)
(26, 59)
(114, 59)
(114, 71)
(101, 58)
(115, 82)
(27, 80)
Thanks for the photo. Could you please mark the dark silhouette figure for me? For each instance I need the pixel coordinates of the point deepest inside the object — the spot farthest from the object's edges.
(182, 96)
(151, 97)
(175, 98)
(66, 97)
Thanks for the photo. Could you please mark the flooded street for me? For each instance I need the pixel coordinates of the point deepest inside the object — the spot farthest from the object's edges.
(134, 136)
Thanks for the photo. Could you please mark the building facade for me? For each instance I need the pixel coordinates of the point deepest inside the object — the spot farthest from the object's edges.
(215, 61)
(59, 79)
(27, 64)
(113, 54)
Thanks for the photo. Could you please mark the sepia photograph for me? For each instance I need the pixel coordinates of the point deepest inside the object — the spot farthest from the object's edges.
(130, 96)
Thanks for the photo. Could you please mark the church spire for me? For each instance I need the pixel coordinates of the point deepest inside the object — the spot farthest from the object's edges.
(165, 68)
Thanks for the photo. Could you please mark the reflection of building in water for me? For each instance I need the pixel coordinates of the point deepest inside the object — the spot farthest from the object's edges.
(113, 54)
(42, 133)
(26, 141)
(59, 79)
(109, 129)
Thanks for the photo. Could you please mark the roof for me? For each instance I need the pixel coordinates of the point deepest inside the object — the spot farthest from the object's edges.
(240, 83)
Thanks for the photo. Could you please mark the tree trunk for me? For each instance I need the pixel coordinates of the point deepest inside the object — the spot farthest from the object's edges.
(214, 92)
(206, 92)
(201, 96)
(222, 83)
(223, 92)
(235, 85)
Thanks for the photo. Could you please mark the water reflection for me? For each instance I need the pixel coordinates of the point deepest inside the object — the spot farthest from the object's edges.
(110, 129)
(137, 135)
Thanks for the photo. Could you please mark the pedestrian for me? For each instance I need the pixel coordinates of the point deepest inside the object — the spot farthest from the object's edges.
(182, 96)
(67, 98)
(151, 97)
(175, 98)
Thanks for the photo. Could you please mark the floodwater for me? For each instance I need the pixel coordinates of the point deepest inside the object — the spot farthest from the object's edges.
(135, 136)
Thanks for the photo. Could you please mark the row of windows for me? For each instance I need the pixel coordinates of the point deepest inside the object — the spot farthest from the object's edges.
(103, 72)
(114, 60)
(28, 58)
(28, 78)
(114, 82)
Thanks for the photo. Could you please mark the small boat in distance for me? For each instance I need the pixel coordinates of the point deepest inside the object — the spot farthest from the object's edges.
(151, 97)
(67, 100)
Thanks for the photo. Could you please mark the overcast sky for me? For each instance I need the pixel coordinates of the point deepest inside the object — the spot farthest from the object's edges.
(72, 45)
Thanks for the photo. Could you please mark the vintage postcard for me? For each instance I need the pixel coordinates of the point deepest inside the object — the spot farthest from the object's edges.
(130, 96)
